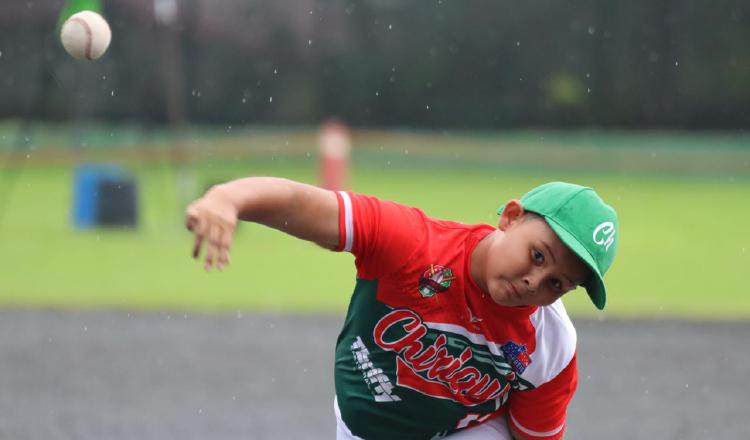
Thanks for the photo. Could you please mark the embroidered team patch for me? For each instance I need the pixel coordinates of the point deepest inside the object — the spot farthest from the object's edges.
(434, 280)
(516, 356)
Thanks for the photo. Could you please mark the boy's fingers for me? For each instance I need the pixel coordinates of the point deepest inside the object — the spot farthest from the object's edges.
(209, 261)
(196, 228)
(197, 245)
(213, 232)
(191, 218)
(226, 242)
(213, 246)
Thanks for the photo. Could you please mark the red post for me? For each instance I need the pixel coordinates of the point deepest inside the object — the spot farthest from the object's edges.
(335, 145)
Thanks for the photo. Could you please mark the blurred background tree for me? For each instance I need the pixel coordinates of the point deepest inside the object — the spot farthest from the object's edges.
(483, 64)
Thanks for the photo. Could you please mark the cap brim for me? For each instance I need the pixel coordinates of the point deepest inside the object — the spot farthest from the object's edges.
(595, 284)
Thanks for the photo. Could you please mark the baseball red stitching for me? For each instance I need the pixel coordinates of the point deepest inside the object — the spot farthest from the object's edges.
(89, 35)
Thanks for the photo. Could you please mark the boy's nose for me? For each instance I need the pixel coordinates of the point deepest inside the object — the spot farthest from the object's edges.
(531, 281)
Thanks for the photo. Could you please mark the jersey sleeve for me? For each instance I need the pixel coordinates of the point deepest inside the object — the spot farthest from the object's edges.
(382, 235)
(540, 413)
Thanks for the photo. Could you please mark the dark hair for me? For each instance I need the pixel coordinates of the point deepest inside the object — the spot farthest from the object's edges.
(532, 215)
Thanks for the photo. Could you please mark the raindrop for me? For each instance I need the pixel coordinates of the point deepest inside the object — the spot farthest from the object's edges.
(518, 43)
(85, 328)
(112, 93)
(686, 385)
(28, 156)
(304, 370)
(104, 77)
(244, 100)
(309, 42)
(1, 53)
(270, 99)
(592, 30)
(427, 107)
(239, 314)
(406, 151)
(200, 410)
(377, 93)
(588, 75)
(275, 71)
(676, 63)
(390, 26)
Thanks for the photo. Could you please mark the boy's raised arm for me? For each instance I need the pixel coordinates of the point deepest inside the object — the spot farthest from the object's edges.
(302, 210)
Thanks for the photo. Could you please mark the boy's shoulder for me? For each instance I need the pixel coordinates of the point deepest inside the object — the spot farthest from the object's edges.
(556, 341)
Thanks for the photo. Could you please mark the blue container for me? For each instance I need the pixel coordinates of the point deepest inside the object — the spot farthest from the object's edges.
(87, 180)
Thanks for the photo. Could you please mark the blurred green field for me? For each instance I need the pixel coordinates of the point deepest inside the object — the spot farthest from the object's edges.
(683, 250)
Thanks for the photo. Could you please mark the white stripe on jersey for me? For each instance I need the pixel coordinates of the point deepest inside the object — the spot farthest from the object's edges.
(536, 433)
(476, 338)
(348, 222)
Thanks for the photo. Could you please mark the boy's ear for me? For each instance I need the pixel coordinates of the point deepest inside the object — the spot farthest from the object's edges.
(512, 213)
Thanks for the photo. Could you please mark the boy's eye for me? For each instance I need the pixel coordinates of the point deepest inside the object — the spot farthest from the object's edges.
(537, 256)
(556, 284)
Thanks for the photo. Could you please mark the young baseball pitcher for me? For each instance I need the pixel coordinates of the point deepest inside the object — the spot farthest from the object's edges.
(453, 330)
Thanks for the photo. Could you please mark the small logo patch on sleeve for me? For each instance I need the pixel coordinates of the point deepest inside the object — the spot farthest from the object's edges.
(516, 355)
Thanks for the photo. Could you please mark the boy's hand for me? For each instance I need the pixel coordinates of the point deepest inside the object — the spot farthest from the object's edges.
(212, 218)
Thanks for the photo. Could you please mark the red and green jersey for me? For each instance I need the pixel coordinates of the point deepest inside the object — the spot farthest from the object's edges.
(423, 351)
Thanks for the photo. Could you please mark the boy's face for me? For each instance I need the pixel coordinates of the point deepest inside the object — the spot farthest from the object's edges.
(528, 264)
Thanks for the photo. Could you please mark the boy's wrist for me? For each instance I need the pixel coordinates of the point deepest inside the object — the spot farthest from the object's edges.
(223, 193)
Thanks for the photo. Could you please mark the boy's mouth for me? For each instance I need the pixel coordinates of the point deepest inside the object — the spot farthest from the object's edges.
(515, 291)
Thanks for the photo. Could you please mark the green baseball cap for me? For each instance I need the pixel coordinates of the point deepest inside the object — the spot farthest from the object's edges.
(586, 225)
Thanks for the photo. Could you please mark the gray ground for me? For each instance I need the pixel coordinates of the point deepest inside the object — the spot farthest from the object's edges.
(175, 376)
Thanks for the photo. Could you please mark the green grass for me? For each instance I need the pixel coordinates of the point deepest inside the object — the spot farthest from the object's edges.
(683, 250)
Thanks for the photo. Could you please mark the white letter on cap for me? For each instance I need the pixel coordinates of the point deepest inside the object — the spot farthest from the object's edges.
(608, 228)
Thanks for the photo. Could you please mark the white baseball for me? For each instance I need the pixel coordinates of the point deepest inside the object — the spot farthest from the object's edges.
(85, 35)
